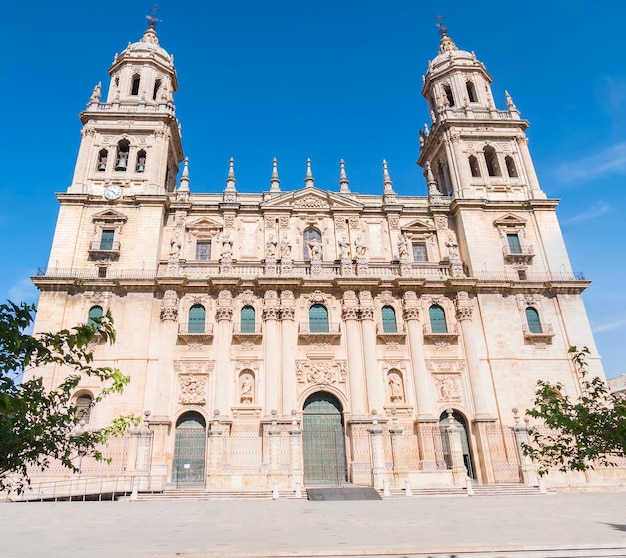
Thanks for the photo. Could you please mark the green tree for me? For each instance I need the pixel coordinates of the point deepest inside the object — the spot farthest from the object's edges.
(579, 432)
(38, 423)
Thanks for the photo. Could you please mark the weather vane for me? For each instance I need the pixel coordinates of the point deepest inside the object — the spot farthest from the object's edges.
(443, 30)
(153, 20)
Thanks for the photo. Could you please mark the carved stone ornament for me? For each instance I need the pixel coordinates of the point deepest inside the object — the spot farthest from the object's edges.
(367, 313)
(225, 295)
(445, 365)
(321, 372)
(317, 298)
(340, 223)
(392, 346)
(394, 222)
(270, 221)
(286, 295)
(441, 222)
(350, 313)
(310, 202)
(287, 312)
(442, 345)
(223, 313)
(409, 295)
(283, 221)
(169, 306)
(354, 222)
(411, 313)
(396, 389)
(464, 306)
(386, 297)
(192, 389)
(247, 346)
(229, 221)
(247, 298)
(271, 313)
(246, 389)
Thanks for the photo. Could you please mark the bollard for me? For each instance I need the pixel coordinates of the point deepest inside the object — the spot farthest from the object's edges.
(386, 487)
(298, 490)
(469, 486)
(407, 488)
(275, 494)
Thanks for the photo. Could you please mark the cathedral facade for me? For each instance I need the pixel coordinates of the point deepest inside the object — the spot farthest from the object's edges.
(292, 338)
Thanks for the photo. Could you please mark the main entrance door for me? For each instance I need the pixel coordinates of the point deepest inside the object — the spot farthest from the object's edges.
(189, 450)
(324, 440)
(467, 454)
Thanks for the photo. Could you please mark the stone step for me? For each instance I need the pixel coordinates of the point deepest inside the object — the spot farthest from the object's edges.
(202, 494)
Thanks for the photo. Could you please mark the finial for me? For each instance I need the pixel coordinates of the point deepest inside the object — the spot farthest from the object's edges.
(95, 94)
(343, 179)
(509, 101)
(446, 44)
(387, 184)
(152, 19)
(433, 190)
(182, 194)
(443, 30)
(230, 180)
(274, 182)
(308, 181)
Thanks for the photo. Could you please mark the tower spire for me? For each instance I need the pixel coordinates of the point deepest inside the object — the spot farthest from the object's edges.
(387, 184)
(309, 182)
(343, 179)
(274, 182)
(230, 180)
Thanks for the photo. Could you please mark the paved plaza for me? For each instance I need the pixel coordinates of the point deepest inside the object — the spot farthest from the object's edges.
(563, 525)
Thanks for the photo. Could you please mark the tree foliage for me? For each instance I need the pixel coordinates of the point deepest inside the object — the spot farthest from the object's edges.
(38, 423)
(576, 433)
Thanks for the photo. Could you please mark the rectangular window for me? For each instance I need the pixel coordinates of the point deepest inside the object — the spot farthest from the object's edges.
(102, 272)
(203, 251)
(419, 253)
(514, 244)
(106, 240)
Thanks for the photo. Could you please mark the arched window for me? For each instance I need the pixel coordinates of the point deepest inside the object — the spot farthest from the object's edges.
(248, 321)
(389, 320)
(471, 92)
(491, 158)
(157, 86)
(437, 319)
(318, 319)
(95, 316)
(308, 236)
(123, 148)
(83, 403)
(473, 163)
(510, 166)
(532, 317)
(134, 90)
(448, 91)
(102, 159)
(141, 161)
(197, 319)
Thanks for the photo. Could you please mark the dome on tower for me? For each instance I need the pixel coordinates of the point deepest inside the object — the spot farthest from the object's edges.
(449, 55)
(147, 47)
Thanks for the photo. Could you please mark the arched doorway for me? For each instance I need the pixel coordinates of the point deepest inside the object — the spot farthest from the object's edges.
(462, 425)
(189, 450)
(323, 440)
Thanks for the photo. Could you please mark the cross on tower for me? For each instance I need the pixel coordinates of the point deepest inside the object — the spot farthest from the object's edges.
(443, 30)
(152, 19)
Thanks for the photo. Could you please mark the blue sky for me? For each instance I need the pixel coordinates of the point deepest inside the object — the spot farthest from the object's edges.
(326, 80)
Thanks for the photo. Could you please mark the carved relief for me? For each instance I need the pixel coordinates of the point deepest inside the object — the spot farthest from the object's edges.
(247, 298)
(445, 365)
(354, 222)
(310, 202)
(283, 221)
(394, 222)
(441, 222)
(386, 297)
(317, 298)
(396, 389)
(246, 388)
(321, 372)
(192, 389)
(169, 306)
(222, 313)
(247, 346)
(229, 221)
(464, 306)
(448, 388)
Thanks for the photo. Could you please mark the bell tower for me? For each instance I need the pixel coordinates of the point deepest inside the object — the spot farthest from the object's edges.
(131, 142)
(474, 149)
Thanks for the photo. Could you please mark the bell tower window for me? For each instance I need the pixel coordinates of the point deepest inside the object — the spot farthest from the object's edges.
(473, 163)
(491, 158)
(471, 92)
(134, 90)
(157, 86)
(102, 160)
(448, 92)
(141, 161)
(123, 148)
(510, 167)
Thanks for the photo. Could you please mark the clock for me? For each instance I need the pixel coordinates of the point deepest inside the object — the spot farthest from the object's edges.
(113, 192)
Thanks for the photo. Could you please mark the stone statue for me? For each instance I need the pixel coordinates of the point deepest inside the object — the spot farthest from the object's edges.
(270, 247)
(315, 250)
(247, 395)
(395, 387)
(453, 248)
(227, 245)
(360, 247)
(343, 247)
(285, 247)
(175, 245)
(403, 247)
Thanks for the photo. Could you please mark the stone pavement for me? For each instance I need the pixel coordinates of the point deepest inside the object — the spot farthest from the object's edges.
(561, 525)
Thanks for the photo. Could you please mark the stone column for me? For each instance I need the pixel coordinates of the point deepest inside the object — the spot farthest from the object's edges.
(217, 436)
(529, 472)
(460, 162)
(378, 454)
(422, 382)
(529, 168)
(289, 340)
(223, 380)
(452, 168)
(396, 452)
(296, 462)
(376, 388)
(271, 341)
(355, 354)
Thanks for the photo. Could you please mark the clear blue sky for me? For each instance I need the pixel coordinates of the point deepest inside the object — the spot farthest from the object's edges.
(326, 80)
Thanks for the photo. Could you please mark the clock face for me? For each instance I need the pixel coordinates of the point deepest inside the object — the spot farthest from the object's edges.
(113, 192)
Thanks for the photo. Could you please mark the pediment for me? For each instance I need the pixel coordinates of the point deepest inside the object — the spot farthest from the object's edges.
(110, 215)
(509, 220)
(203, 223)
(311, 199)
(419, 226)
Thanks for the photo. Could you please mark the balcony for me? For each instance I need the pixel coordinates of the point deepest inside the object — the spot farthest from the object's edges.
(451, 333)
(195, 332)
(519, 254)
(388, 336)
(319, 333)
(543, 336)
(99, 249)
(247, 332)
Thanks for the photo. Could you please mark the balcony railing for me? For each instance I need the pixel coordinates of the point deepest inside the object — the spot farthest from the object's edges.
(315, 331)
(195, 331)
(391, 333)
(451, 332)
(247, 331)
(546, 333)
(98, 247)
(520, 254)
